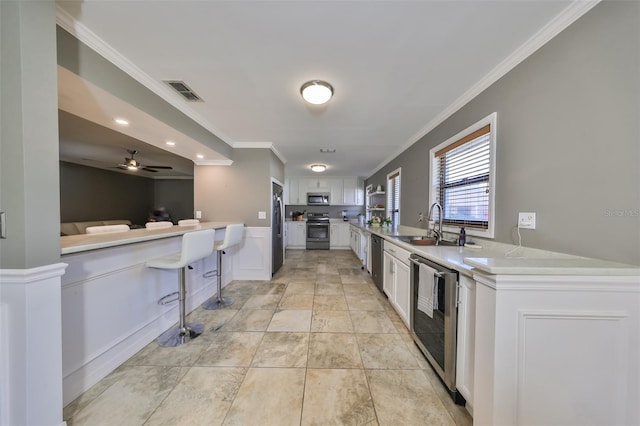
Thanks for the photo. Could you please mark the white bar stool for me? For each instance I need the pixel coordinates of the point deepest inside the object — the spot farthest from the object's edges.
(232, 236)
(195, 246)
(188, 222)
(158, 225)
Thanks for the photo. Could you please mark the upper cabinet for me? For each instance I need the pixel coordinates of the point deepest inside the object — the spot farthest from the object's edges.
(344, 191)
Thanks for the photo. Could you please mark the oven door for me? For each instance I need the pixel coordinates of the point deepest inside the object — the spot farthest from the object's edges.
(317, 235)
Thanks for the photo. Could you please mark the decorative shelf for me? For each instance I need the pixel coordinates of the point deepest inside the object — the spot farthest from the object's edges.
(376, 209)
(376, 193)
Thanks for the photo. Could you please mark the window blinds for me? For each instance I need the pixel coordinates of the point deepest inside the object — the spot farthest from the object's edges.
(461, 180)
(393, 198)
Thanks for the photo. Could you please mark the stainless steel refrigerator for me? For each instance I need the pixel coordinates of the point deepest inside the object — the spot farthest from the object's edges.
(277, 229)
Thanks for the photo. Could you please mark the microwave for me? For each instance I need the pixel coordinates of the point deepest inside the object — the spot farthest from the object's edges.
(317, 198)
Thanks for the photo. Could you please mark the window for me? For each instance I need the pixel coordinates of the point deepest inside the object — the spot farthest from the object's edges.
(393, 197)
(463, 178)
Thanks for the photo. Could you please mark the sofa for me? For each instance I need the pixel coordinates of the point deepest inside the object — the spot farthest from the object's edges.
(75, 228)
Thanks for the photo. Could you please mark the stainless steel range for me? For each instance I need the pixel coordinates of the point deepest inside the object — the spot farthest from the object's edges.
(318, 231)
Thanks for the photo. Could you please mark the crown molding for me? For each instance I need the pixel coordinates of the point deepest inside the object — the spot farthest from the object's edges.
(213, 162)
(90, 39)
(263, 145)
(559, 23)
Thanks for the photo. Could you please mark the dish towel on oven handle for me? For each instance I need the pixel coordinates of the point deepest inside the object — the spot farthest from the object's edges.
(427, 290)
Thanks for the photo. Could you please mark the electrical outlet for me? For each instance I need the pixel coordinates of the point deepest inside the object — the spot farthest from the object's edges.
(198, 214)
(420, 217)
(527, 220)
(262, 215)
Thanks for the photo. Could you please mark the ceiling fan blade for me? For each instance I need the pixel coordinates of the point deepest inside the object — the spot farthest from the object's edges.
(159, 167)
(146, 169)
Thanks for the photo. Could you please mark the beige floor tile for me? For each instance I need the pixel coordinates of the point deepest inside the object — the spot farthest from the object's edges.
(268, 396)
(357, 289)
(203, 396)
(330, 303)
(385, 351)
(358, 302)
(372, 322)
(459, 414)
(333, 350)
(338, 397)
(282, 349)
(327, 269)
(262, 301)
(329, 289)
(331, 321)
(231, 349)
(269, 288)
(296, 301)
(299, 288)
(406, 397)
(291, 320)
(212, 320)
(183, 355)
(249, 320)
(328, 278)
(354, 279)
(131, 399)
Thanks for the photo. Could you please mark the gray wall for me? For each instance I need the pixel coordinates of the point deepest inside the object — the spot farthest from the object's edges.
(176, 196)
(28, 135)
(568, 141)
(88, 193)
(237, 192)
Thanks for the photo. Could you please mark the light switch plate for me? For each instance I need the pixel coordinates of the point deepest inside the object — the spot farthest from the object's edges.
(3, 226)
(527, 220)
(262, 215)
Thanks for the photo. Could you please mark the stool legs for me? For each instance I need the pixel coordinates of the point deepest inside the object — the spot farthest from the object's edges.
(218, 302)
(184, 332)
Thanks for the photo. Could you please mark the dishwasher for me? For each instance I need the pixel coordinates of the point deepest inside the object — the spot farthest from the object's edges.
(376, 260)
(434, 318)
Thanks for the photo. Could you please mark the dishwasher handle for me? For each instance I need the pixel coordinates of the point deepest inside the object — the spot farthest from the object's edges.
(414, 261)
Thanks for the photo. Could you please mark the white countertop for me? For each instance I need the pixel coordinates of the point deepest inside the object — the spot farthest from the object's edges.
(84, 242)
(498, 258)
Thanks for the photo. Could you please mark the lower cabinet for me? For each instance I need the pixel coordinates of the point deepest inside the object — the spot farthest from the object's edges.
(396, 280)
(296, 235)
(339, 235)
(466, 338)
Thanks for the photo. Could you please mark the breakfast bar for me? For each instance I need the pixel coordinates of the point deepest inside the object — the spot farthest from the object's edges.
(110, 298)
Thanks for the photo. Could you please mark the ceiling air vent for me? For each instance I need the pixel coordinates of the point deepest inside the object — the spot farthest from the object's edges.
(182, 88)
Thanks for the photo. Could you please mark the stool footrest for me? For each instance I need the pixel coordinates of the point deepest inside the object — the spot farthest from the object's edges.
(169, 298)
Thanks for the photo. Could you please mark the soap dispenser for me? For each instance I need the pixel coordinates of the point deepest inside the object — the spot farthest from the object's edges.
(462, 238)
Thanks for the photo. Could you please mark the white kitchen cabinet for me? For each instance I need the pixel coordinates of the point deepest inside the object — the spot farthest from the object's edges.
(339, 235)
(396, 280)
(291, 192)
(466, 338)
(296, 235)
(348, 191)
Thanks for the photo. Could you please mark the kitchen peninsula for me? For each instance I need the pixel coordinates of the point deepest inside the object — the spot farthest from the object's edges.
(110, 298)
(543, 337)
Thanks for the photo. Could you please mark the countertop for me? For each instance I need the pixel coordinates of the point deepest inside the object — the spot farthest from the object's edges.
(85, 242)
(498, 258)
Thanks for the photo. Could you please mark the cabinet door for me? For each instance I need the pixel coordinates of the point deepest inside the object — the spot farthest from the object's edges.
(335, 189)
(294, 196)
(349, 191)
(388, 275)
(402, 296)
(466, 337)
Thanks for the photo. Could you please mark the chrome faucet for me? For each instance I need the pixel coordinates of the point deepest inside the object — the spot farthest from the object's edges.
(438, 233)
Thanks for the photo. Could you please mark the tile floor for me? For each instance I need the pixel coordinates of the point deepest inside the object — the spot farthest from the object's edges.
(316, 345)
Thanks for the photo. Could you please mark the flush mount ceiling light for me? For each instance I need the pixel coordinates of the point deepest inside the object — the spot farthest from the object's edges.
(316, 92)
(121, 121)
(327, 150)
(318, 168)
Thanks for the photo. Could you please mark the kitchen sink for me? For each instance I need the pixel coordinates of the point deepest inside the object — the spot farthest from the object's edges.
(420, 240)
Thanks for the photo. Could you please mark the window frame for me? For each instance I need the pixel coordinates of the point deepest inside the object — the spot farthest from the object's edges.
(397, 172)
(490, 120)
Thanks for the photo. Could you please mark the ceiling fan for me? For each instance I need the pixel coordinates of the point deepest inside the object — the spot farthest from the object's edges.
(130, 163)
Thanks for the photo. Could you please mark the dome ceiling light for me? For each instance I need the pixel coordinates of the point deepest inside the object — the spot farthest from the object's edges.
(316, 92)
(318, 168)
